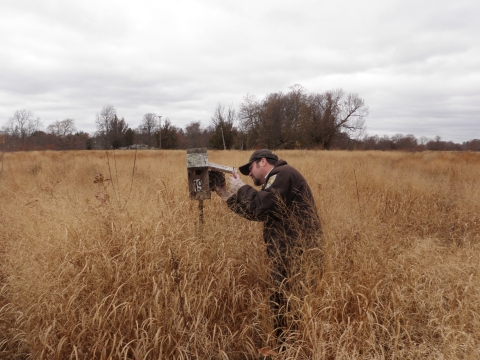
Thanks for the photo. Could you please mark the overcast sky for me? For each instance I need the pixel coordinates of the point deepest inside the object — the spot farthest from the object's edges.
(416, 63)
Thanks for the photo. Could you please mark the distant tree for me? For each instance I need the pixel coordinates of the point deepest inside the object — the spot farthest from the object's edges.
(345, 142)
(471, 145)
(435, 144)
(61, 130)
(294, 103)
(169, 134)
(370, 142)
(335, 112)
(21, 126)
(103, 122)
(249, 120)
(78, 141)
(129, 137)
(263, 122)
(223, 128)
(195, 135)
(111, 130)
(385, 143)
(40, 140)
(298, 119)
(90, 144)
(401, 142)
(423, 140)
(451, 146)
(148, 127)
(117, 131)
(272, 118)
(182, 139)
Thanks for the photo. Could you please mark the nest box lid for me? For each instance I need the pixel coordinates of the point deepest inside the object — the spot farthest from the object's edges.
(197, 158)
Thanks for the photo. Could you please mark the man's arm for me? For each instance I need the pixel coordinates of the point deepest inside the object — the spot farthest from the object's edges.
(258, 204)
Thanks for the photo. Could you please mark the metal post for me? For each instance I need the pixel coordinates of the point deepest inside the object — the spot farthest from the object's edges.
(2, 141)
(160, 130)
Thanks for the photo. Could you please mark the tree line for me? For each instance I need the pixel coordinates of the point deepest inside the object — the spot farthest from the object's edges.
(293, 120)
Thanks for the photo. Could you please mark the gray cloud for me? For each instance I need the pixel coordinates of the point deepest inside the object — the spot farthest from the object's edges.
(416, 63)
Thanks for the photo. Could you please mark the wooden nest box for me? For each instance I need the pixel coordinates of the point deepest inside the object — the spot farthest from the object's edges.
(204, 176)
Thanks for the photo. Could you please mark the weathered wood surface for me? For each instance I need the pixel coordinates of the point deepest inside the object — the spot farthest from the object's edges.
(197, 158)
(223, 168)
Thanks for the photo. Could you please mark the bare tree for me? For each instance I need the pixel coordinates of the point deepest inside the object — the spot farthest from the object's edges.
(22, 125)
(223, 121)
(103, 122)
(148, 127)
(352, 113)
(294, 104)
(117, 131)
(62, 128)
(423, 141)
(335, 112)
(272, 120)
(195, 135)
(298, 119)
(249, 119)
(436, 143)
(472, 145)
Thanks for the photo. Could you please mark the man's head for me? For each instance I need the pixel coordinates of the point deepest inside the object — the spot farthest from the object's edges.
(259, 165)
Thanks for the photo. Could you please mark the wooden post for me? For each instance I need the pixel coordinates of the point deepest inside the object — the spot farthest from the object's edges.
(200, 215)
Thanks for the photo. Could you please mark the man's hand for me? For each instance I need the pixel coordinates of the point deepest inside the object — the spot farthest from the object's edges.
(235, 183)
(223, 193)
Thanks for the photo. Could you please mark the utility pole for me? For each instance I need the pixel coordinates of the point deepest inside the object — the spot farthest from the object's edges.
(2, 141)
(160, 131)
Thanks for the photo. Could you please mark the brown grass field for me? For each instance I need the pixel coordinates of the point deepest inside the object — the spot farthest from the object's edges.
(101, 257)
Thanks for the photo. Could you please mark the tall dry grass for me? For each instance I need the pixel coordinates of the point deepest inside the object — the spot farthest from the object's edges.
(101, 257)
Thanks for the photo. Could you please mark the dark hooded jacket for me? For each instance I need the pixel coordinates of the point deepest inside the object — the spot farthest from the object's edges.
(286, 206)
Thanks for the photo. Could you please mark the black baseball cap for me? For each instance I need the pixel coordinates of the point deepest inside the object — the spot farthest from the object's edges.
(257, 155)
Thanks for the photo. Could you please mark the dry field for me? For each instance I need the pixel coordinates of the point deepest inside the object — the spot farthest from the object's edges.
(101, 258)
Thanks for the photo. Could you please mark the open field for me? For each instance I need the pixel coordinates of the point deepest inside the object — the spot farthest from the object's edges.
(101, 257)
